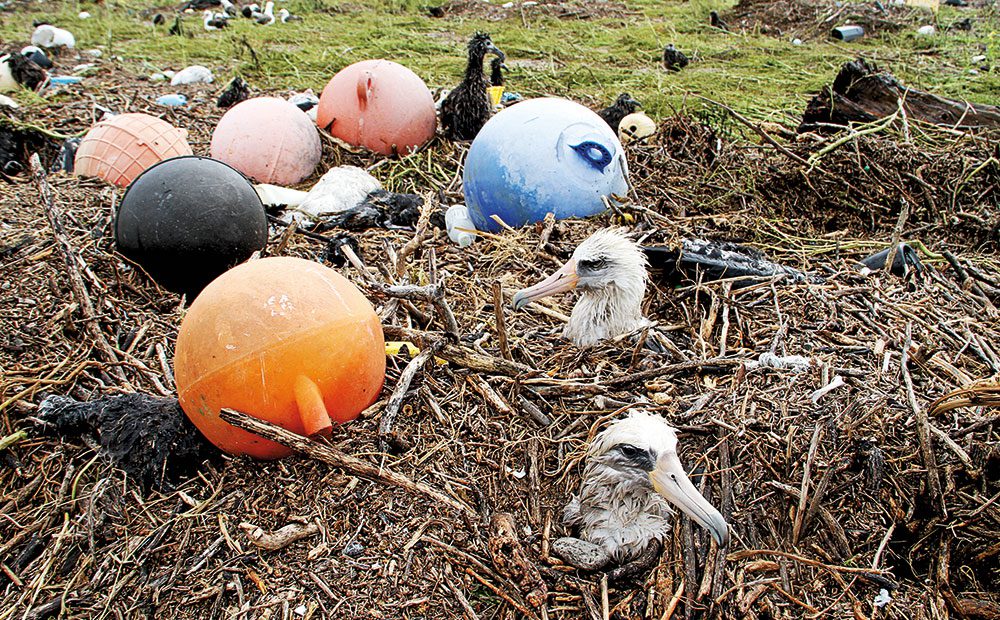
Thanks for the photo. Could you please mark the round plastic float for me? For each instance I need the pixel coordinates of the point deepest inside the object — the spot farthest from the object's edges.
(282, 339)
(187, 220)
(379, 105)
(541, 156)
(120, 148)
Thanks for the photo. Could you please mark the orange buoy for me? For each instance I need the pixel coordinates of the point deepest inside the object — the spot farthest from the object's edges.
(379, 105)
(120, 148)
(282, 339)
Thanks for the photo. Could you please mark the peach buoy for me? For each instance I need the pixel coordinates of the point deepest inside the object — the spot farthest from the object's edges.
(120, 148)
(379, 105)
(282, 339)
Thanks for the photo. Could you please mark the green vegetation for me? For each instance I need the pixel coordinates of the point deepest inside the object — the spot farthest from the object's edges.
(590, 60)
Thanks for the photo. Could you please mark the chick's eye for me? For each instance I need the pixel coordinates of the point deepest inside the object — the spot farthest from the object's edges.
(629, 451)
(594, 264)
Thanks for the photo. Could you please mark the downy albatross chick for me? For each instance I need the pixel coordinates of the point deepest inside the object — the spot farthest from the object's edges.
(622, 510)
(610, 270)
(467, 108)
(622, 107)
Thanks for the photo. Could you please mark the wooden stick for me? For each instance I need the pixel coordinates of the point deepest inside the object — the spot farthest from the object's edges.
(460, 354)
(669, 369)
(337, 458)
(923, 428)
(501, 320)
(399, 392)
(70, 258)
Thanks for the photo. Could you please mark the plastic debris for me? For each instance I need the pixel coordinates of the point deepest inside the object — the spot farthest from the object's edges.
(883, 598)
(7, 102)
(84, 15)
(835, 383)
(460, 226)
(848, 33)
(796, 41)
(713, 260)
(195, 74)
(172, 100)
(67, 154)
(37, 56)
(64, 80)
(636, 127)
(49, 36)
(275, 195)
(926, 31)
(906, 259)
(795, 363)
(340, 189)
(157, 77)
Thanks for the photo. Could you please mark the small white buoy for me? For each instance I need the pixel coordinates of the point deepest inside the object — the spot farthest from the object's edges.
(50, 36)
(635, 127)
(157, 77)
(979, 58)
(926, 31)
(84, 15)
(195, 74)
(796, 41)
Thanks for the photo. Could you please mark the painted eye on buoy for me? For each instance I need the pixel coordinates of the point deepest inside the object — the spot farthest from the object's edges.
(595, 153)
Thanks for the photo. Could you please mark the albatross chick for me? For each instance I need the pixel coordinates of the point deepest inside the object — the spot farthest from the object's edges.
(622, 513)
(610, 271)
(622, 107)
(467, 108)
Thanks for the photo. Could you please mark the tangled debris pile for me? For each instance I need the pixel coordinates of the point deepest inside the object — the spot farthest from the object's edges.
(861, 482)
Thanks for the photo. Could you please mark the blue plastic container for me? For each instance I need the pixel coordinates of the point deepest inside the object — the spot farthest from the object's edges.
(173, 100)
(538, 156)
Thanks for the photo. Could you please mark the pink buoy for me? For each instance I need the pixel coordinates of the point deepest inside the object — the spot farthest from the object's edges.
(379, 105)
(122, 147)
(268, 139)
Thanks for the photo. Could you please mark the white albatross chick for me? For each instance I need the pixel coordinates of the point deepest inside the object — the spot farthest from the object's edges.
(610, 271)
(631, 480)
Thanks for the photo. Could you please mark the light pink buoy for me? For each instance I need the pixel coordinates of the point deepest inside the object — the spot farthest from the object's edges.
(379, 105)
(268, 139)
(122, 147)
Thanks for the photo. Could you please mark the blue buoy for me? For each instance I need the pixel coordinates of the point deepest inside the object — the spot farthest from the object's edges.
(538, 156)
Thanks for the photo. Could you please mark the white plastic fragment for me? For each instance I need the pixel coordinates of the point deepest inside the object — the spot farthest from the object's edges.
(7, 102)
(195, 74)
(340, 189)
(835, 383)
(882, 599)
(926, 31)
(277, 195)
(795, 363)
(47, 35)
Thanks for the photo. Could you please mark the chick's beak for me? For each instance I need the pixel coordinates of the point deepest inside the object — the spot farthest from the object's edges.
(672, 483)
(559, 282)
(496, 51)
(634, 102)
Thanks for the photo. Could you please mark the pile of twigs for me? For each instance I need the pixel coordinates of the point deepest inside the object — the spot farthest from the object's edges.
(872, 466)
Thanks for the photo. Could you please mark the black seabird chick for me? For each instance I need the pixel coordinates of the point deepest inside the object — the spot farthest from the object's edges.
(237, 91)
(622, 107)
(176, 29)
(674, 59)
(467, 108)
(23, 71)
(496, 71)
(159, 19)
(716, 21)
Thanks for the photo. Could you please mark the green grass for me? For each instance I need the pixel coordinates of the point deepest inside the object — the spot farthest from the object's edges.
(587, 60)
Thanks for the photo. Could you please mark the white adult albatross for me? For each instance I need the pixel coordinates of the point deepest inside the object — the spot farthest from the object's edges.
(610, 270)
(631, 478)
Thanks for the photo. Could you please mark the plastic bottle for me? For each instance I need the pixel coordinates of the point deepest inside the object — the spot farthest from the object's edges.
(455, 218)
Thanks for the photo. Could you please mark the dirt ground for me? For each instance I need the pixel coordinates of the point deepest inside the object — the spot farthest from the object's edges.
(874, 500)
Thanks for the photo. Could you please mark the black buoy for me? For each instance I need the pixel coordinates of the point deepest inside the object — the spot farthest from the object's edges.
(187, 220)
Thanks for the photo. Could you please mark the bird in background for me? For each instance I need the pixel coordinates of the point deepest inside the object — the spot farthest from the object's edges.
(467, 107)
(673, 58)
(622, 107)
(632, 480)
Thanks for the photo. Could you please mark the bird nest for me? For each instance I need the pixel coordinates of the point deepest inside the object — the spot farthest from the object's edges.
(862, 483)
(814, 20)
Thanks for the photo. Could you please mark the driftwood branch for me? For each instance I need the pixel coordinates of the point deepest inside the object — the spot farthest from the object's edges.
(333, 456)
(76, 283)
(459, 354)
(399, 392)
